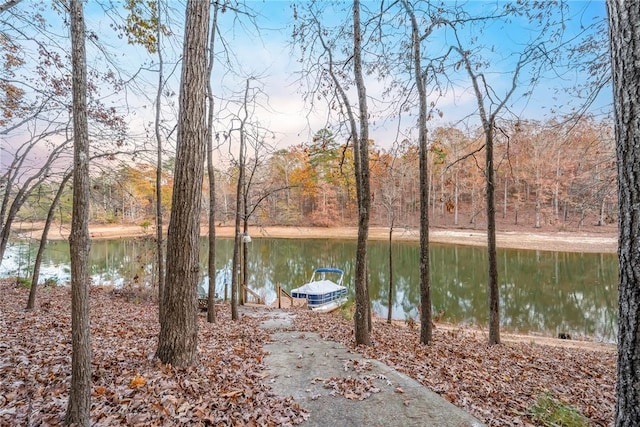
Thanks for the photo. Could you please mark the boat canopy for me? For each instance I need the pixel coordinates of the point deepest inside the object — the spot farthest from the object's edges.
(318, 287)
(329, 270)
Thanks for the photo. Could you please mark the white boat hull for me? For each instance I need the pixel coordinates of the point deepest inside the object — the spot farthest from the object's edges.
(330, 306)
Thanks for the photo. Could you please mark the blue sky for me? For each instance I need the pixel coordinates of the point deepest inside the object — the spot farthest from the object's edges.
(272, 54)
(264, 51)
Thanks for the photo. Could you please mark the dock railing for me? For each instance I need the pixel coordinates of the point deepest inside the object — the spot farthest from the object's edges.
(281, 292)
(292, 302)
(252, 295)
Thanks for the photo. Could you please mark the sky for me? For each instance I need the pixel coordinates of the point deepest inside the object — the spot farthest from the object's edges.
(262, 49)
(271, 57)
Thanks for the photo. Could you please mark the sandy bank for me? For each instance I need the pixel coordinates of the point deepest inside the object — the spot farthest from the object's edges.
(606, 242)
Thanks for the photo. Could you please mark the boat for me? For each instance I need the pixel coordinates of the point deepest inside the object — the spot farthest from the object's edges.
(323, 295)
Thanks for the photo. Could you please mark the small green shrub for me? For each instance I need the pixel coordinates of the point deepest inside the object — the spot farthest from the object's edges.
(51, 281)
(348, 310)
(550, 412)
(23, 282)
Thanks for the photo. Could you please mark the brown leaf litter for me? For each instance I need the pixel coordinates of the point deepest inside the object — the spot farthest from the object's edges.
(496, 384)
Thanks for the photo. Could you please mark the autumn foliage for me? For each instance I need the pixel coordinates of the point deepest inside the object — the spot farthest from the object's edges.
(130, 386)
(229, 386)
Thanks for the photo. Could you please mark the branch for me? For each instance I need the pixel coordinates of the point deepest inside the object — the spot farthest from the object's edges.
(8, 5)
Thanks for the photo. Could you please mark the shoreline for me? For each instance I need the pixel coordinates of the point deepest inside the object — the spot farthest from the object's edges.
(548, 241)
(556, 241)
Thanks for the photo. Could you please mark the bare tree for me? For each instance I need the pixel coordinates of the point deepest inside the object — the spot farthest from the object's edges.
(35, 109)
(8, 4)
(43, 242)
(177, 342)
(390, 197)
(11, 203)
(535, 55)
(79, 405)
(426, 333)
(625, 58)
(211, 264)
(330, 73)
(362, 318)
(235, 287)
(158, 135)
(144, 26)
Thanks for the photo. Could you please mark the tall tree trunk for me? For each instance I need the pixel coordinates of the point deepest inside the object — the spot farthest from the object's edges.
(177, 342)
(159, 219)
(245, 249)
(362, 318)
(494, 291)
(625, 57)
(236, 261)
(390, 299)
(426, 328)
(79, 405)
(211, 264)
(31, 303)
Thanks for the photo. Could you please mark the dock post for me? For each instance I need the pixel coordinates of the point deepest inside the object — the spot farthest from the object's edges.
(278, 290)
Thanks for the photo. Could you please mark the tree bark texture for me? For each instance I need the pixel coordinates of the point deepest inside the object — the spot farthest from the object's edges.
(158, 118)
(79, 405)
(211, 262)
(624, 31)
(426, 328)
(361, 159)
(494, 290)
(488, 122)
(177, 343)
(390, 297)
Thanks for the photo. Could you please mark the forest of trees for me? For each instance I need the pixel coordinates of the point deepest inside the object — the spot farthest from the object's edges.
(67, 112)
(548, 176)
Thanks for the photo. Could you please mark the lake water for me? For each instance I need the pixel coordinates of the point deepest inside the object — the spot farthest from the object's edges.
(541, 292)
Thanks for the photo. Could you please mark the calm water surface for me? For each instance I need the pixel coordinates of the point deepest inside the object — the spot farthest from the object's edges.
(544, 292)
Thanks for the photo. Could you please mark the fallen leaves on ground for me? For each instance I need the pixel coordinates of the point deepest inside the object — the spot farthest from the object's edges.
(497, 384)
(129, 385)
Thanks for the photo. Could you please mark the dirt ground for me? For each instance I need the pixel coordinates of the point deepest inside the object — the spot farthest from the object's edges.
(604, 240)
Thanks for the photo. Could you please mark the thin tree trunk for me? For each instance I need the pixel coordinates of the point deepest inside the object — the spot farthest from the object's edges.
(159, 219)
(456, 197)
(236, 263)
(625, 55)
(504, 200)
(245, 249)
(390, 299)
(211, 264)
(79, 404)
(31, 303)
(426, 326)
(494, 292)
(362, 318)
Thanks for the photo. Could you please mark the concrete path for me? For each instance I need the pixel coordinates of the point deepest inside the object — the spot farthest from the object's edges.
(341, 388)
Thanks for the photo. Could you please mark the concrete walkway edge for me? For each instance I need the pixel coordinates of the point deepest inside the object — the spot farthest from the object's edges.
(339, 387)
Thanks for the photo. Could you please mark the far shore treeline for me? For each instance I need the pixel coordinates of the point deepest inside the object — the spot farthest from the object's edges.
(547, 177)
